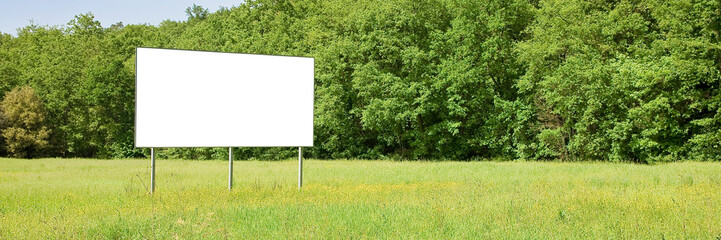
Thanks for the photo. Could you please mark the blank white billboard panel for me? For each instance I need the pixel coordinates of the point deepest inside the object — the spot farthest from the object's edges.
(209, 99)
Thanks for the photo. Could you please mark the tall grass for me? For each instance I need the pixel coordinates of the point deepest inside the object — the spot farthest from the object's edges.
(81, 198)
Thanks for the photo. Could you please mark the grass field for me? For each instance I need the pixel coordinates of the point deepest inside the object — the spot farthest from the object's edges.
(80, 198)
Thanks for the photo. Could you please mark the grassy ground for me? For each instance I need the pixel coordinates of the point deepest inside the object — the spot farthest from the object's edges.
(79, 198)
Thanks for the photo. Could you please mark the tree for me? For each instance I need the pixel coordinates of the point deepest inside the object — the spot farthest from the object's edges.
(196, 12)
(625, 80)
(416, 79)
(85, 24)
(24, 115)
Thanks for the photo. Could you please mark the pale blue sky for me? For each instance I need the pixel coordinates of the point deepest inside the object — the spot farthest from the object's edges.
(17, 13)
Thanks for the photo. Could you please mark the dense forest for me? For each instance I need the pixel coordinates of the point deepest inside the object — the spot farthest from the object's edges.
(605, 80)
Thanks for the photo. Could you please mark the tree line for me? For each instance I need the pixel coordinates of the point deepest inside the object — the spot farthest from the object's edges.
(573, 80)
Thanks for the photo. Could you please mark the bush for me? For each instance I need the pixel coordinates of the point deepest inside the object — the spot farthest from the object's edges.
(552, 144)
(23, 115)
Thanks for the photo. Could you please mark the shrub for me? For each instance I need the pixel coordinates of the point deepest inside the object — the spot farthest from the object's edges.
(23, 115)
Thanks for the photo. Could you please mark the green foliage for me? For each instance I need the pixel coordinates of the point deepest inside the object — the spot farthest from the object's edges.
(22, 123)
(552, 144)
(196, 13)
(626, 80)
(431, 79)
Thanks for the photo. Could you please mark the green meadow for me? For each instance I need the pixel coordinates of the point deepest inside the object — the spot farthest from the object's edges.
(83, 198)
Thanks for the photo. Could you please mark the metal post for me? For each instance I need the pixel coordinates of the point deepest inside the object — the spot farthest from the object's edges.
(152, 171)
(230, 168)
(300, 167)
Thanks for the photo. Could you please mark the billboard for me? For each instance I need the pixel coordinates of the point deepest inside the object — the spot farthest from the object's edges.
(210, 99)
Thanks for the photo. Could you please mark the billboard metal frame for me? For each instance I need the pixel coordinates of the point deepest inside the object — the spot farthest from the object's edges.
(230, 148)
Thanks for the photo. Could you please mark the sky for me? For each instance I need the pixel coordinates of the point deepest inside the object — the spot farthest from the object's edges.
(18, 13)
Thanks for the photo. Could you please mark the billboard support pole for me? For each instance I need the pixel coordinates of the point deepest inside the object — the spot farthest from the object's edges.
(230, 168)
(300, 167)
(152, 171)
